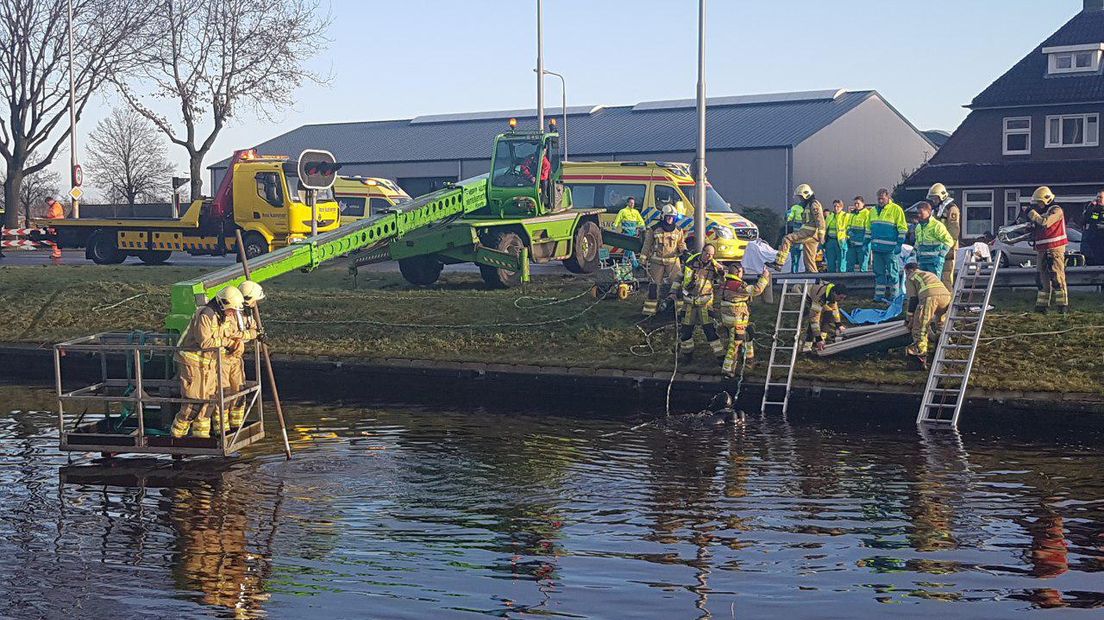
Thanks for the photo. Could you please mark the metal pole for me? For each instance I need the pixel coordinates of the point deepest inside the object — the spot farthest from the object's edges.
(540, 65)
(699, 160)
(72, 117)
(314, 212)
(563, 109)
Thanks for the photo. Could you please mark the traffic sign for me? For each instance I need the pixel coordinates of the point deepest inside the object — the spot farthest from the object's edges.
(76, 193)
(317, 169)
(78, 175)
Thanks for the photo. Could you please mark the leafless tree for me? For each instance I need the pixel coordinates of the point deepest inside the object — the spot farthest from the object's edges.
(36, 187)
(34, 74)
(212, 57)
(127, 159)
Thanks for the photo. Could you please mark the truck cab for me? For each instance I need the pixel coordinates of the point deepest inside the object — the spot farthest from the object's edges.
(516, 187)
(270, 206)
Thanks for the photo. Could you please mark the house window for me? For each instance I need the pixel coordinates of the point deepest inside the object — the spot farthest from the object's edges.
(1017, 135)
(1073, 58)
(978, 206)
(1072, 130)
(1011, 205)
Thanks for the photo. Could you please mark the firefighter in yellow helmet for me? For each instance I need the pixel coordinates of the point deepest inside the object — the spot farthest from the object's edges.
(664, 243)
(733, 302)
(239, 334)
(946, 210)
(824, 296)
(1050, 247)
(197, 360)
(701, 274)
(928, 302)
(809, 236)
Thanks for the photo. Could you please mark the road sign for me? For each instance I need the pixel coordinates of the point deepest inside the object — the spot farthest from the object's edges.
(78, 175)
(76, 193)
(317, 169)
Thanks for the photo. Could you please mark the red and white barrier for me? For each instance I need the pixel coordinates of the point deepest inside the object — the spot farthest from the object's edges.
(24, 243)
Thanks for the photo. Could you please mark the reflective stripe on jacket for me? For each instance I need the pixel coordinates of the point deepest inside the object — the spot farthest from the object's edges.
(923, 284)
(858, 230)
(1050, 230)
(837, 225)
(932, 239)
(887, 228)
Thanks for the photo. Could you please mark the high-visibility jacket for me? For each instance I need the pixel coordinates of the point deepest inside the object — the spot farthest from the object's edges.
(795, 217)
(628, 214)
(932, 239)
(698, 278)
(55, 211)
(923, 284)
(887, 228)
(836, 225)
(1094, 221)
(1050, 228)
(858, 229)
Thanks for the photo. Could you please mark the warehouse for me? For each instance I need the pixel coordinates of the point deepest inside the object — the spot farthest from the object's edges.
(759, 146)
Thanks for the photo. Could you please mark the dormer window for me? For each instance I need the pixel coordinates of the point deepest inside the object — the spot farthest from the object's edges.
(1074, 58)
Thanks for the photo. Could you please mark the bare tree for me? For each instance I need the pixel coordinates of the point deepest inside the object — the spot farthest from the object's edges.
(214, 56)
(36, 187)
(34, 74)
(127, 159)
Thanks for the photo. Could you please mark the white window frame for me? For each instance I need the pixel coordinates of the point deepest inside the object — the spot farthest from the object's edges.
(1096, 51)
(968, 204)
(1016, 132)
(1011, 201)
(1055, 142)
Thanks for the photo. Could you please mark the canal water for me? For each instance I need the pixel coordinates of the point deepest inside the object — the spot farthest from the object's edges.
(398, 512)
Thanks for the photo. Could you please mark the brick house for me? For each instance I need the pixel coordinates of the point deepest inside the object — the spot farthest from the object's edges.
(1038, 124)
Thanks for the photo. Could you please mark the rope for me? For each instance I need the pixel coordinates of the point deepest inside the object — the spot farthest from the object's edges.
(548, 301)
(1049, 333)
(117, 304)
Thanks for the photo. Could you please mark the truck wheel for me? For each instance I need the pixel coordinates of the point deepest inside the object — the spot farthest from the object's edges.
(255, 245)
(101, 249)
(420, 270)
(584, 257)
(509, 242)
(154, 257)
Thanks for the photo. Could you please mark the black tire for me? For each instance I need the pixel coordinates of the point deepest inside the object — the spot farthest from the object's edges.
(504, 241)
(1004, 260)
(584, 252)
(101, 248)
(154, 257)
(255, 245)
(421, 270)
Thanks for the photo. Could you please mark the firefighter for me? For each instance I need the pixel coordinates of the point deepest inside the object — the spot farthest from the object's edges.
(793, 224)
(928, 295)
(1050, 247)
(54, 211)
(239, 334)
(945, 210)
(887, 234)
(629, 222)
(1092, 239)
(825, 296)
(858, 236)
(701, 274)
(664, 243)
(733, 301)
(836, 225)
(811, 233)
(197, 365)
(932, 240)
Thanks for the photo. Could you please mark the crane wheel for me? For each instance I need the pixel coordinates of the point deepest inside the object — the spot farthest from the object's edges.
(585, 250)
(420, 270)
(503, 241)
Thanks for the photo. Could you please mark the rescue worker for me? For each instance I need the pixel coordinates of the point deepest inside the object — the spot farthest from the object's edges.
(239, 333)
(887, 234)
(197, 366)
(664, 243)
(54, 211)
(1092, 238)
(793, 224)
(933, 241)
(629, 222)
(858, 236)
(733, 301)
(701, 274)
(945, 210)
(1050, 247)
(811, 233)
(836, 225)
(928, 302)
(825, 296)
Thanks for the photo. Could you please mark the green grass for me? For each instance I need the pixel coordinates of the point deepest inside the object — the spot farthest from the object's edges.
(321, 314)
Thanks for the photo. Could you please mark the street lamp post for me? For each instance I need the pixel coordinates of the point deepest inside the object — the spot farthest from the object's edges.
(699, 160)
(72, 118)
(563, 108)
(540, 65)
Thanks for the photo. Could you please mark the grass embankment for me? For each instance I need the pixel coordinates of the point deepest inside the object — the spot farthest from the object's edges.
(457, 320)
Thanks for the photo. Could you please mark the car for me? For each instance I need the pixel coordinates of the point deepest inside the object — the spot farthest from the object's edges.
(1021, 252)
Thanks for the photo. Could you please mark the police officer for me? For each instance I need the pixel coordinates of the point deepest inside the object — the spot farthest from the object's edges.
(811, 233)
(701, 274)
(1092, 239)
(945, 210)
(663, 245)
(1050, 248)
(733, 301)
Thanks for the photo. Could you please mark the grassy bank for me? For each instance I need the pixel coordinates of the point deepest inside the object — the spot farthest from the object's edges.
(551, 322)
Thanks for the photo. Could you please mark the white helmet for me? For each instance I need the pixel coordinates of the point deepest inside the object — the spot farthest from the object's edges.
(252, 292)
(803, 191)
(669, 210)
(231, 298)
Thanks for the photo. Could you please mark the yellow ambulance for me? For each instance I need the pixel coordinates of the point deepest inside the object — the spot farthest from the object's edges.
(609, 184)
(361, 197)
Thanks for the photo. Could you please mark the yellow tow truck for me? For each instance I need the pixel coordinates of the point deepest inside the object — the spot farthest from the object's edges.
(260, 195)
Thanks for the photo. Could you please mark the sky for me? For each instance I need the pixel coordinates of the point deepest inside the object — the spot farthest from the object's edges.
(387, 60)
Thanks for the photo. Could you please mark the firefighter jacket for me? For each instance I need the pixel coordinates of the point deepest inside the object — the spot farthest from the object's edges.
(206, 331)
(1050, 228)
(922, 285)
(812, 220)
(888, 228)
(858, 229)
(836, 225)
(663, 245)
(951, 216)
(821, 299)
(734, 295)
(698, 279)
(238, 332)
(932, 240)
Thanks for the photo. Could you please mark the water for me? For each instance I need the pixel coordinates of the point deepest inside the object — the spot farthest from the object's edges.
(416, 513)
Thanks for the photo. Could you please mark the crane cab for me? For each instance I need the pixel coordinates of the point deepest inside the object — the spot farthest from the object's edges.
(515, 187)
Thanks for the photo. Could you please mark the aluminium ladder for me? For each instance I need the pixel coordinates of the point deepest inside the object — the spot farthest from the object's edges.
(958, 341)
(787, 340)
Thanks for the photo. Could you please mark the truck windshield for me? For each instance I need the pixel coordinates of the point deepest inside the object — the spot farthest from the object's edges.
(714, 203)
(299, 194)
(515, 163)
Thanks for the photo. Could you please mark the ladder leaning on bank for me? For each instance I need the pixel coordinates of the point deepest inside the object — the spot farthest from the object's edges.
(954, 355)
(785, 344)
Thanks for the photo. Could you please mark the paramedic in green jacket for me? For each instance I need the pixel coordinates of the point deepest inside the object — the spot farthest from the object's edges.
(933, 240)
(887, 234)
(794, 219)
(836, 223)
(858, 236)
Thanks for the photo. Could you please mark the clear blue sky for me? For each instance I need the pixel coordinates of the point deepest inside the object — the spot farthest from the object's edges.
(392, 59)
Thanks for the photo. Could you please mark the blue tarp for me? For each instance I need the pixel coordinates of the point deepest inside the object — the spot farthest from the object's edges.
(860, 316)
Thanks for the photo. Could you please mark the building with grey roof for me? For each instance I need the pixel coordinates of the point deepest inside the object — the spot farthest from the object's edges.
(759, 146)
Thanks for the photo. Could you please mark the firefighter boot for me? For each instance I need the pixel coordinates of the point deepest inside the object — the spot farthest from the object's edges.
(201, 428)
(237, 417)
(180, 427)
